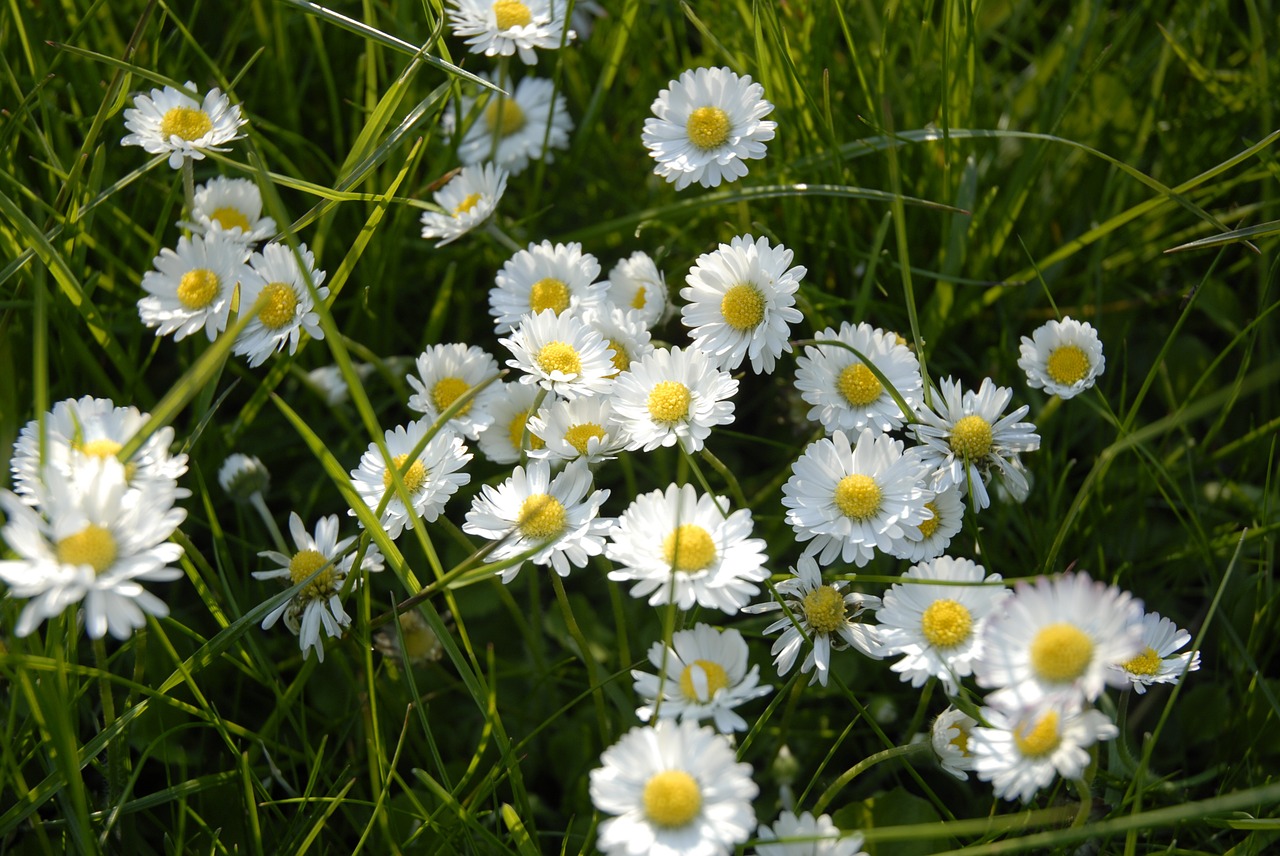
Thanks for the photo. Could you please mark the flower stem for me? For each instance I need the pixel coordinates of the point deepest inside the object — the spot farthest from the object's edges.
(587, 660)
(189, 186)
(861, 767)
(277, 538)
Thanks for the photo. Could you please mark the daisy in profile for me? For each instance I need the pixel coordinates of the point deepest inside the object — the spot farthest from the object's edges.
(555, 520)
(232, 206)
(1062, 357)
(191, 287)
(511, 433)
(637, 287)
(938, 628)
(562, 354)
(277, 286)
(845, 394)
(742, 302)
(703, 675)
(949, 737)
(626, 335)
(850, 501)
(510, 129)
(580, 429)
(171, 121)
(431, 475)
(937, 531)
(466, 201)
(420, 645)
(683, 549)
(673, 788)
(964, 438)
(329, 383)
(1059, 635)
(505, 27)
(94, 541)
(706, 126)
(1159, 662)
(822, 617)
(318, 606)
(1023, 747)
(242, 476)
(807, 836)
(444, 374)
(673, 396)
(545, 276)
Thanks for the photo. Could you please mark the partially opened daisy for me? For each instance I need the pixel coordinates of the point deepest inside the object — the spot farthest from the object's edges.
(742, 302)
(672, 789)
(626, 335)
(850, 501)
(949, 736)
(505, 27)
(277, 286)
(444, 374)
(466, 201)
(558, 277)
(318, 606)
(509, 434)
(963, 438)
(670, 396)
(687, 549)
(845, 394)
(232, 206)
(562, 354)
(242, 476)
(583, 428)
(706, 126)
(191, 287)
(1062, 357)
(170, 121)
(1159, 662)
(431, 475)
(556, 520)
(511, 129)
(807, 835)
(637, 287)
(824, 615)
(936, 532)
(702, 675)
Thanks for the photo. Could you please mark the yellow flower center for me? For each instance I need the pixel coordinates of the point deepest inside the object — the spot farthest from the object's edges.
(638, 301)
(1146, 663)
(621, 360)
(279, 303)
(103, 448)
(1061, 652)
(230, 218)
(305, 563)
(447, 391)
(92, 546)
(669, 402)
(858, 496)
(672, 798)
(742, 307)
(414, 478)
(466, 204)
(511, 13)
(1039, 739)
(580, 435)
(858, 386)
(542, 517)
(1067, 365)
(558, 357)
(549, 293)
(824, 609)
(971, 437)
(928, 527)
(708, 127)
(505, 116)
(717, 679)
(198, 288)
(185, 122)
(946, 623)
(515, 432)
(961, 741)
(689, 548)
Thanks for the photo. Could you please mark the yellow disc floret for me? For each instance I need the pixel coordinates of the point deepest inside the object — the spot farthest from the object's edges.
(230, 218)
(928, 527)
(971, 437)
(511, 13)
(515, 432)
(708, 127)
(742, 307)
(961, 741)
(717, 679)
(690, 548)
(669, 402)
(621, 359)
(542, 517)
(824, 609)
(579, 436)
(858, 496)
(638, 301)
(1035, 740)
(504, 116)
(858, 386)
(1061, 652)
(558, 357)
(1067, 365)
(92, 546)
(414, 477)
(946, 623)
(672, 798)
(549, 293)
(101, 448)
(305, 563)
(198, 288)
(187, 123)
(447, 391)
(1146, 663)
(279, 303)
(466, 204)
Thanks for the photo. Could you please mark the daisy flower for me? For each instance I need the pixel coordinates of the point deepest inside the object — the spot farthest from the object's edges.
(822, 613)
(319, 604)
(562, 354)
(625, 334)
(845, 394)
(742, 303)
(673, 788)
(232, 206)
(241, 476)
(1062, 357)
(505, 27)
(467, 201)
(1059, 635)
(544, 276)
(963, 437)
(673, 395)
(172, 121)
(431, 477)
(849, 501)
(637, 287)
(936, 532)
(706, 126)
(329, 383)
(807, 836)
(510, 432)
(95, 540)
(1158, 663)
(703, 675)
(287, 310)
(511, 129)
(938, 627)
(445, 373)
(1022, 748)
(949, 737)
(420, 643)
(191, 287)
(683, 549)
(579, 429)
(554, 520)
